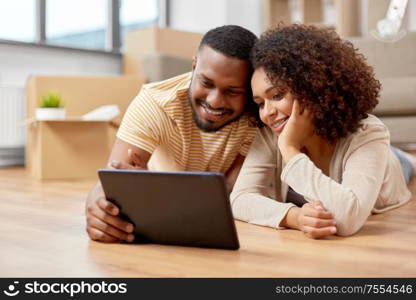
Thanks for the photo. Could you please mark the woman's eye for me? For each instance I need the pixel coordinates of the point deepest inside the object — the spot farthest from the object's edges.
(277, 96)
(260, 105)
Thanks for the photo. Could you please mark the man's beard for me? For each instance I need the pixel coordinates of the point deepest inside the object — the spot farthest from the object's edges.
(205, 125)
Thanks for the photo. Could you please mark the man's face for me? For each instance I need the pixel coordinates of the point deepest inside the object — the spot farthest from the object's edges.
(218, 90)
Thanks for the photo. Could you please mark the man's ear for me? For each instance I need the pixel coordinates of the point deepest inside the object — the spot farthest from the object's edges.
(193, 63)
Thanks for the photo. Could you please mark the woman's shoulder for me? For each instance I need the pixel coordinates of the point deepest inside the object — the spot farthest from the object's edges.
(373, 123)
(264, 139)
(371, 129)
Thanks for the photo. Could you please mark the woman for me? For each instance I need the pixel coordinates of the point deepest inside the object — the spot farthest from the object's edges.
(323, 164)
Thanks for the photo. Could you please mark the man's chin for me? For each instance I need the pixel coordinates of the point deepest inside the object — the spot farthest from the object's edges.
(208, 126)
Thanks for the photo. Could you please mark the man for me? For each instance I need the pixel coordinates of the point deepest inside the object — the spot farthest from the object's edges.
(198, 121)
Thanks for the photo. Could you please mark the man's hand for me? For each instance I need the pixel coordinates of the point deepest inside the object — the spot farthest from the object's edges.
(312, 219)
(103, 221)
(135, 163)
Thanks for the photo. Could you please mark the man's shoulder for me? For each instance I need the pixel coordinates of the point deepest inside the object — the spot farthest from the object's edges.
(163, 92)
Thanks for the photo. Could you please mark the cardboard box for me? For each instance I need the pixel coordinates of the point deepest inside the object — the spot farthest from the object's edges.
(74, 148)
(84, 93)
(68, 149)
(164, 42)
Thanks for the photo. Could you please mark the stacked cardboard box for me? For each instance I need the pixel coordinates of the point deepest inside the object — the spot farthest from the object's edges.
(159, 53)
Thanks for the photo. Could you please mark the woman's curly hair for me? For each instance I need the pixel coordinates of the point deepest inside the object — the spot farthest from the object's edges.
(324, 73)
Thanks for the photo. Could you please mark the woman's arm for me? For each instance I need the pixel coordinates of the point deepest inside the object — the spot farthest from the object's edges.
(351, 200)
(252, 197)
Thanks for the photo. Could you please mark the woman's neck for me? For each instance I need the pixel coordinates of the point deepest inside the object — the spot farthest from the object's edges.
(320, 152)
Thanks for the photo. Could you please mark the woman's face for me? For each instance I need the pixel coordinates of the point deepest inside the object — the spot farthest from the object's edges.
(275, 105)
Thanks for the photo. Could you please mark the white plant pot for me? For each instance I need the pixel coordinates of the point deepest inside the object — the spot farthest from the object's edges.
(50, 113)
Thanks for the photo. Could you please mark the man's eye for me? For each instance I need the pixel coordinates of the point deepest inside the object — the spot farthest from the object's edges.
(234, 93)
(206, 83)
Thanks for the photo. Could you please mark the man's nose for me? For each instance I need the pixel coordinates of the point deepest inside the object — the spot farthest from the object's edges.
(215, 99)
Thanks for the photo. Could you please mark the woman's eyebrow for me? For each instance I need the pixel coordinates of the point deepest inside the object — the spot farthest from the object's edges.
(269, 89)
(266, 91)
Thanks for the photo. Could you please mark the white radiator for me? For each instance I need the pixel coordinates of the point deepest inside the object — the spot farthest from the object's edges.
(12, 133)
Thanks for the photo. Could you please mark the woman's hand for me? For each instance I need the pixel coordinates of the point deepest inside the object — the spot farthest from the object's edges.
(312, 219)
(297, 131)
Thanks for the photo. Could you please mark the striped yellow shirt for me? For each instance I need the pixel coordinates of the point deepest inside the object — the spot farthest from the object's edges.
(159, 120)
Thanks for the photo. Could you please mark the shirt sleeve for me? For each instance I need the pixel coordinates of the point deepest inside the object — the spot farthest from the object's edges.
(144, 123)
(252, 199)
(352, 200)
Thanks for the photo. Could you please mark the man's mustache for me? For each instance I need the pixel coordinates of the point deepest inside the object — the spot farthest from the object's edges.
(206, 104)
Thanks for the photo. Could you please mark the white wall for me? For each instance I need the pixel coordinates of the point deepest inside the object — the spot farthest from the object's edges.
(201, 16)
(246, 13)
(411, 15)
(17, 62)
(196, 16)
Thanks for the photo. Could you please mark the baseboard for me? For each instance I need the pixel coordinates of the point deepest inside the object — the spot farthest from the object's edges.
(12, 157)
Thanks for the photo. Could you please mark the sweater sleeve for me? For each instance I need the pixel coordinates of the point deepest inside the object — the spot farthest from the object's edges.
(253, 198)
(351, 200)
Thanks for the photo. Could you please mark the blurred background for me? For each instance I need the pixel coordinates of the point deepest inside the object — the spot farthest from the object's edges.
(155, 39)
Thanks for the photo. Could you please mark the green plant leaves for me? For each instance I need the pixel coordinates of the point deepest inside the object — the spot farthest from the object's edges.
(51, 100)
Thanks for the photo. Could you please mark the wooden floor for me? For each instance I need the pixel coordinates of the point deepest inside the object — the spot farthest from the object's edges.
(42, 234)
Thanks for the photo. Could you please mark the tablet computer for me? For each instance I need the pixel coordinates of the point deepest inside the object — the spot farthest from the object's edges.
(176, 208)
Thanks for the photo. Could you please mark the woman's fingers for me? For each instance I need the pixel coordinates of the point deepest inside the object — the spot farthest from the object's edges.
(317, 233)
(296, 108)
(317, 222)
(310, 211)
(318, 205)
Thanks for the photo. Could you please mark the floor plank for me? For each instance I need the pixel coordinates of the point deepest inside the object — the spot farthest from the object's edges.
(43, 235)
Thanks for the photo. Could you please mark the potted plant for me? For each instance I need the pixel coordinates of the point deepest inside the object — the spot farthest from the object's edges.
(51, 107)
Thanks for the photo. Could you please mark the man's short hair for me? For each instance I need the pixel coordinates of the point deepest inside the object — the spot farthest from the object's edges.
(230, 40)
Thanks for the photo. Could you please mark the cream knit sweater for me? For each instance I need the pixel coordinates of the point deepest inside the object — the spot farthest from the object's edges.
(365, 177)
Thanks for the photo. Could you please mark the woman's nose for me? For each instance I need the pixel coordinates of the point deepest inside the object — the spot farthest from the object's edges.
(269, 109)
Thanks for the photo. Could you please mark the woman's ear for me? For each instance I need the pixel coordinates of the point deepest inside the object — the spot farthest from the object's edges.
(193, 63)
